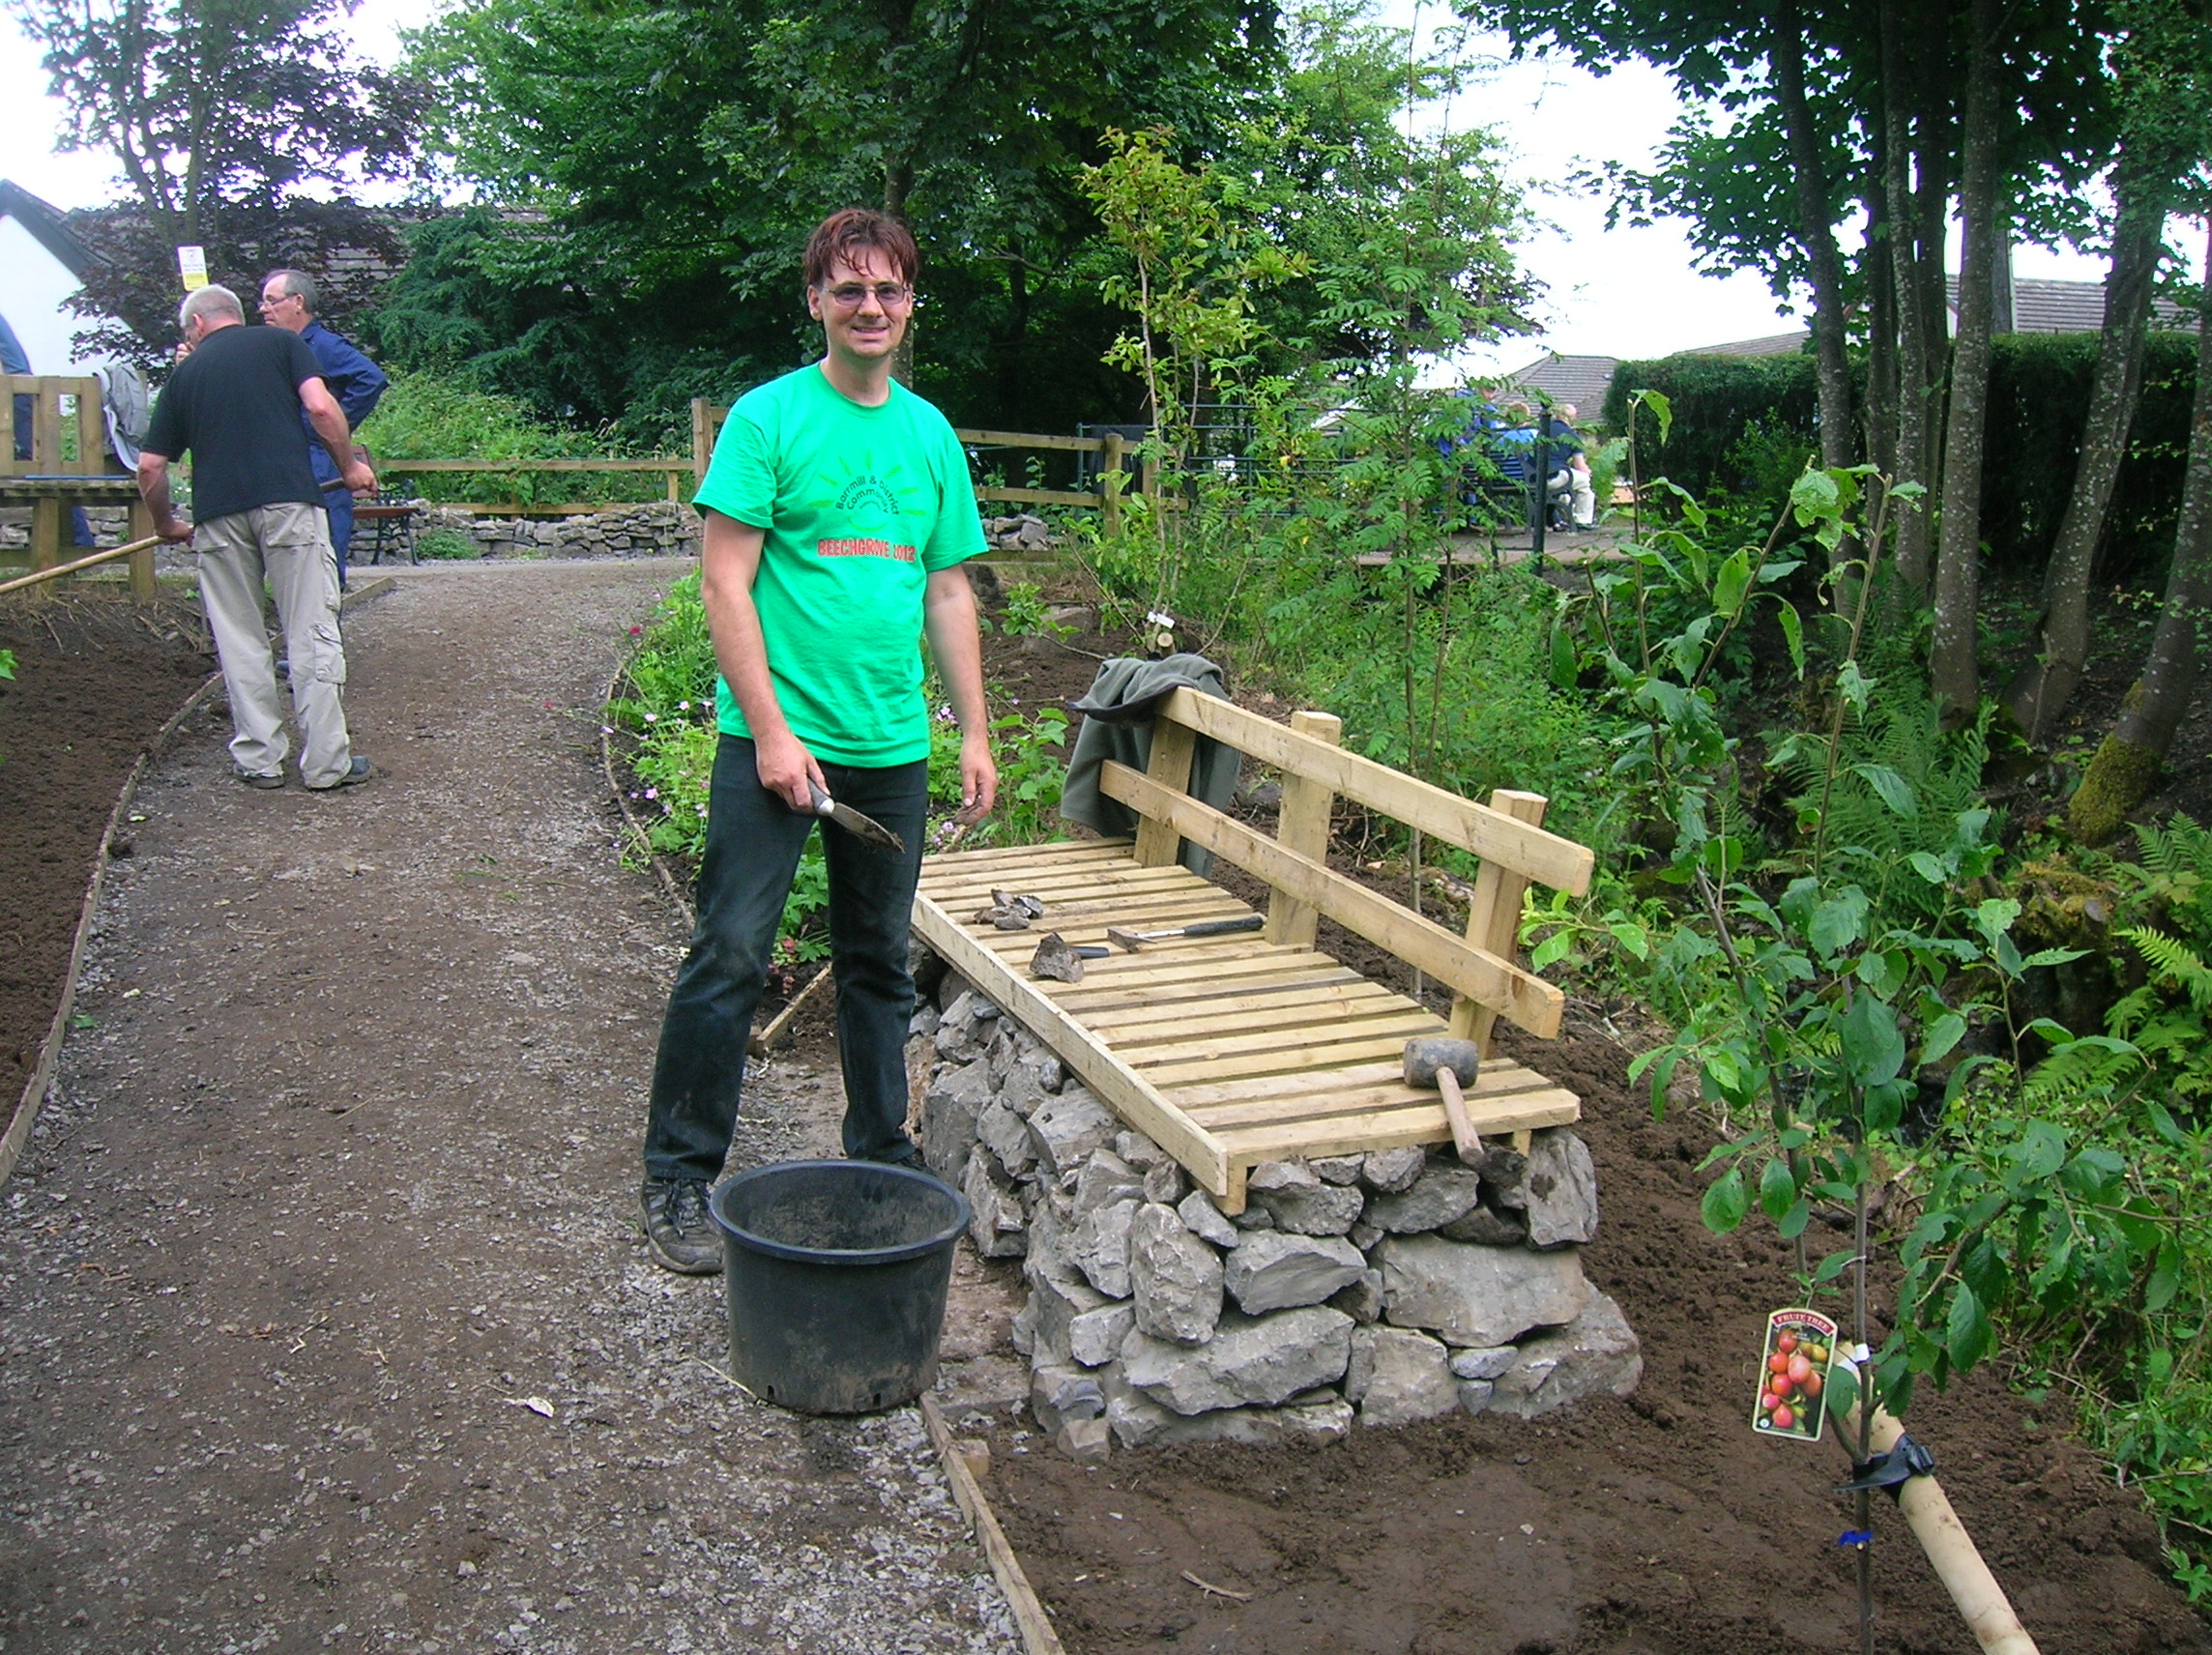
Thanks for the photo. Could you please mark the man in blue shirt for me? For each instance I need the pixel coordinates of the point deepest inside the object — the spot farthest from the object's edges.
(288, 302)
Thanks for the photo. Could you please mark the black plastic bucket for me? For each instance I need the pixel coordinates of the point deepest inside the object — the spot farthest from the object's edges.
(836, 1274)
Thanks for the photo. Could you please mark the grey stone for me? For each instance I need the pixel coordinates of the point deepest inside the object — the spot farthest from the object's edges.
(1363, 1235)
(968, 1028)
(1313, 1208)
(949, 988)
(927, 965)
(1475, 1395)
(1338, 1168)
(1203, 1218)
(1066, 1128)
(1176, 1277)
(1247, 1362)
(924, 1020)
(1442, 1193)
(1561, 1185)
(1166, 1183)
(949, 1110)
(1059, 1394)
(1105, 1179)
(1595, 1353)
(996, 1221)
(1046, 1069)
(1478, 1296)
(1138, 1422)
(1503, 1169)
(1362, 1300)
(1094, 1338)
(1269, 1176)
(1059, 1302)
(1099, 1246)
(1051, 1217)
(1487, 1226)
(1139, 1150)
(1483, 1361)
(1020, 1092)
(1001, 1053)
(1397, 1376)
(1087, 1441)
(1253, 1217)
(1392, 1172)
(1274, 1269)
(1004, 1134)
(1023, 1329)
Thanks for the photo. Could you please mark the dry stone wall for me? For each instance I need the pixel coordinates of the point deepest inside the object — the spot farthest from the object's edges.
(1372, 1290)
(661, 528)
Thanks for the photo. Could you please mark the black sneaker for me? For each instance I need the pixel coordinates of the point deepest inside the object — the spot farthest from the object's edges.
(254, 778)
(356, 772)
(678, 1233)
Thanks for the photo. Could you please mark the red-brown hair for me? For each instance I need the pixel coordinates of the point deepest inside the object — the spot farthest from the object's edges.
(845, 234)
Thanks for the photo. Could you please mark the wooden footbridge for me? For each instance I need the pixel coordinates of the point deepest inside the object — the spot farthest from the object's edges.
(1232, 1050)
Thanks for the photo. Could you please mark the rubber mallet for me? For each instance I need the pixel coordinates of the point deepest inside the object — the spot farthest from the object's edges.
(1446, 1064)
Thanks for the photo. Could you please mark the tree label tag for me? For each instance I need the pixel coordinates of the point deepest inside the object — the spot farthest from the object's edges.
(1792, 1374)
(192, 265)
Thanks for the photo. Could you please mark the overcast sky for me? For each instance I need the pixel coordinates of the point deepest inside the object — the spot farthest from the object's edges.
(1627, 292)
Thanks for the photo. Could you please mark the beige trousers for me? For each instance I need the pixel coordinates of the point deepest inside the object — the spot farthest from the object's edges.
(290, 547)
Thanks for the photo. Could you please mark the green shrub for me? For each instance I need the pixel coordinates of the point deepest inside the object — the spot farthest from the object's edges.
(446, 544)
(425, 416)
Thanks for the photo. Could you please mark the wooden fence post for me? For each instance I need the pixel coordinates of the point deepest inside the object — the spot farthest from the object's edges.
(1302, 826)
(1110, 482)
(702, 446)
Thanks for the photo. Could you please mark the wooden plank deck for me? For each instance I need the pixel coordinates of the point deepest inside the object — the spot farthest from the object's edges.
(1226, 1050)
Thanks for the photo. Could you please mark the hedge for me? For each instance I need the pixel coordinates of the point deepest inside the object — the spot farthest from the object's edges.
(1732, 413)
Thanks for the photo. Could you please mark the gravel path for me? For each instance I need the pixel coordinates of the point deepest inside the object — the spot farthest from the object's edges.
(323, 1318)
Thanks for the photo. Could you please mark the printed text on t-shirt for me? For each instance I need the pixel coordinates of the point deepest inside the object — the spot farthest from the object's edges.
(863, 549)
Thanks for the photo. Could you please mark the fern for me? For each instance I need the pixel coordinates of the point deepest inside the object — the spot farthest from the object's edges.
(2174, 960)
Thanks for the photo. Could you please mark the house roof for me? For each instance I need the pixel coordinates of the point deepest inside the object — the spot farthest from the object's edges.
(1766, 345)
(44, 222)
(1580, 380)
(2048, 306)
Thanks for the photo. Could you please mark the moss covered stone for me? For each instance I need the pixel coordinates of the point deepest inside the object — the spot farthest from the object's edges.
(2121, 777)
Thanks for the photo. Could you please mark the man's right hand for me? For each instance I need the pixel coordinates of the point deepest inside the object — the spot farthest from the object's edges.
(788, 771)
(359, 480)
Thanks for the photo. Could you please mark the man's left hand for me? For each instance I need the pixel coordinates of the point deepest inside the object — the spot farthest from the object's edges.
(173, 529)
(360, 480)
(979, 779)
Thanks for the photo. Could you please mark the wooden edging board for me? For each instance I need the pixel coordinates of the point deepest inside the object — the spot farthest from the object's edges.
(1037, 1634)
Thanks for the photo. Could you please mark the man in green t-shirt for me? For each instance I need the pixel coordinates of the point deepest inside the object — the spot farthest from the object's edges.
(837, 511)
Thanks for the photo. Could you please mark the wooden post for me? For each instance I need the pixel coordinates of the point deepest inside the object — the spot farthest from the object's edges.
(702, 443)
(1302, 826)
(47, 518)
(141, 525)
(1110, 482)
(1494, 917)
(9, 466)
(45, 432)
(91, 431)
(1173, 748)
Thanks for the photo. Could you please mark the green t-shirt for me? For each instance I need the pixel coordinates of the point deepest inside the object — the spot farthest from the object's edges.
(859, 506)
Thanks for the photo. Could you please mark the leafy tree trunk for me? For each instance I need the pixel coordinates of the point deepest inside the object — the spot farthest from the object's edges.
(2043, 688)
(2126, 767)
(1954, 671)
(1816, 229)
(898, 181)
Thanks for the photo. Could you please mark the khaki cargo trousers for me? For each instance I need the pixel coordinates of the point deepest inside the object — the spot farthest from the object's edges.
(290, 545)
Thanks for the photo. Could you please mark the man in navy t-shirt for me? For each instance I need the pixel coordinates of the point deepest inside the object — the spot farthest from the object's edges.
(234, 403)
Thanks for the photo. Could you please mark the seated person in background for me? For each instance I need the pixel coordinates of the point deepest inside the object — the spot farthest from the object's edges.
(1562, 449)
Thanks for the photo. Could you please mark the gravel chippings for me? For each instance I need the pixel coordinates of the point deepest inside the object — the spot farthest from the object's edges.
(324, 1322)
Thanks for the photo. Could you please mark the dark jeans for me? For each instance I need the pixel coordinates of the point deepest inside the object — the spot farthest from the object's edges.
(753, 843)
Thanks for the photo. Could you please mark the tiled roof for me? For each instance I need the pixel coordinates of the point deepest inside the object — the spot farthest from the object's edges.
(1582, 380)
(2043, 306)
(1768, 345)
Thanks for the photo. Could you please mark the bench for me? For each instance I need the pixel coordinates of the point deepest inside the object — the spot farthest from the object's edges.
(1230, 1050)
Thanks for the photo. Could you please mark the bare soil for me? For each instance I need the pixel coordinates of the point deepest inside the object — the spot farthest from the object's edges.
(324, 1324)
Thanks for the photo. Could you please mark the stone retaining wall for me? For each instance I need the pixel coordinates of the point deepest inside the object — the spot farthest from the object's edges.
(108, 524)
(663, 527)
(1374, 1288)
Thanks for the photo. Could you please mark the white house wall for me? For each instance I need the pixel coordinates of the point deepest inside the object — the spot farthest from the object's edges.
(33, 284)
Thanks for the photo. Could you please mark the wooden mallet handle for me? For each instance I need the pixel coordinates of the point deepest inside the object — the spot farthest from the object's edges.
(1463, 1136)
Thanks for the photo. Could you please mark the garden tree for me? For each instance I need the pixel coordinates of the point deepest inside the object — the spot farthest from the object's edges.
(680, 154)
(2126, 766)
(2163, 89)
(223, 116)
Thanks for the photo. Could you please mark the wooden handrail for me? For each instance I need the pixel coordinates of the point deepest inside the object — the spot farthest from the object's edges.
(59, 569)
(1491, 834)
(663, 465)
(1519, 996)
